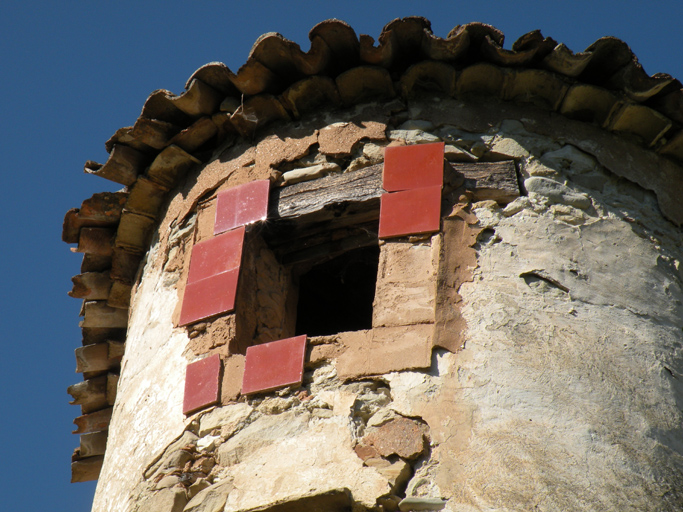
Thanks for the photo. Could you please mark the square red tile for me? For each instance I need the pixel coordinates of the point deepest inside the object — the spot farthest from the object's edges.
(274, 365)
(202, 384)
(216, 255)
(410, 212)
(416, 166)
(241, 205)
(209, 297)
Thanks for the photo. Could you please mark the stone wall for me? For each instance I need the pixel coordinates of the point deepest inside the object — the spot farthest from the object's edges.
(556, 319)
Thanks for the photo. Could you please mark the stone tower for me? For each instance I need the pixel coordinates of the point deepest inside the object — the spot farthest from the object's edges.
(419, 274)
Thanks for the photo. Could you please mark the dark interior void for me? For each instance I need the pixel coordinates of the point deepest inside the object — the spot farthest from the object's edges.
(336, 296)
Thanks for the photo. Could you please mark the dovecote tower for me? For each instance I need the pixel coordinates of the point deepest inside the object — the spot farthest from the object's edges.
(419, 274)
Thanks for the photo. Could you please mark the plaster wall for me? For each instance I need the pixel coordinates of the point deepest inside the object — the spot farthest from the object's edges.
(567, 394)
(149, 413)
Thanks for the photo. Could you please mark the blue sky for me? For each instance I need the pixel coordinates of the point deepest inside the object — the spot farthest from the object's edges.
(74, 72)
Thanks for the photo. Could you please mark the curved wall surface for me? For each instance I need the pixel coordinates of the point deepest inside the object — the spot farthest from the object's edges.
(522, 352)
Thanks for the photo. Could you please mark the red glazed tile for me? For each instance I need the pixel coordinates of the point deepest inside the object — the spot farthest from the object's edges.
(241, 205)
(274, 365)
(416, 166)
(410, 212)
(209, 297)
(216, 255)
(202, 383)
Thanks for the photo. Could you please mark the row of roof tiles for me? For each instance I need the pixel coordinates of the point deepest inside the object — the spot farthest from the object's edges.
(269, 85)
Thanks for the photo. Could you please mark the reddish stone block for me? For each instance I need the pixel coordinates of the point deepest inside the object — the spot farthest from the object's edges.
(216, 255)
(208, 297)
(410, 167)
(274, 365)
(410, 212)
(202, 383)
(242, 205)
(401, 436)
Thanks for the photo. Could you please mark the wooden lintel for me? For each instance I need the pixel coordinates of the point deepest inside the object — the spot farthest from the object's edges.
(319, 196)
(489, 180)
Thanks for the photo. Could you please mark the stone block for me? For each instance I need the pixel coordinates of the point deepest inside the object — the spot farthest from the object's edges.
(172, 499)
(384, 350)
(229, 417)
(406, 284)
(233, 372)
(400, 436)
(210, 499)
(416, 503)
(556, 192)
(338, 139)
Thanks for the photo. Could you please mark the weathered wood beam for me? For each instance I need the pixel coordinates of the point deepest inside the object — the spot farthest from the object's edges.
(321, 196)
(327, 216)
(489, 180)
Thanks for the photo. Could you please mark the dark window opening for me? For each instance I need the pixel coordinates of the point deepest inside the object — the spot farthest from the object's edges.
(336, 296)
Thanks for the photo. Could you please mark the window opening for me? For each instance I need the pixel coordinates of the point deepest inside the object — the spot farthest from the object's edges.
(337, 296)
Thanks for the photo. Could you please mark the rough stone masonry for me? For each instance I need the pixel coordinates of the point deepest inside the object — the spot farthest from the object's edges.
(528, 355)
